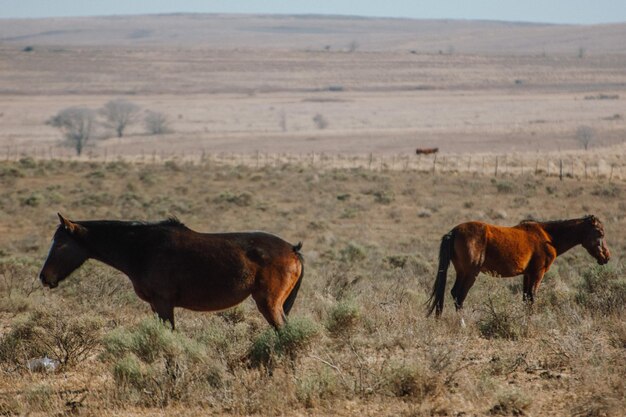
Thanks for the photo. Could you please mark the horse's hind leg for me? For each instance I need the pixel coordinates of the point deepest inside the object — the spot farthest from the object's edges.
(271, 308)
(462, 285)
(275, 285)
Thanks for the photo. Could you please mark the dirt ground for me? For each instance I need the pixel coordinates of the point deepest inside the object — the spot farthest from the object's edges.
(266, 100)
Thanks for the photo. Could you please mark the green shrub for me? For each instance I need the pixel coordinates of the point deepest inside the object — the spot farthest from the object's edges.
(291, 339)
(383, 197)
(410, 380)
(602, 290)
(127, 371)
(501, 319)
(609, 190)
(505, 187)
(396, 261)
(353, 252)
(242, 200)
(33, 200)
(316, 386)
(28, 163)
(343, 318)
(152, 339)
(157, 365)
(65, 338)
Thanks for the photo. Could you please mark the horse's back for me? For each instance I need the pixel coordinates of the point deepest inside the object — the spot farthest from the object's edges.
(501, 250)
(260, 247)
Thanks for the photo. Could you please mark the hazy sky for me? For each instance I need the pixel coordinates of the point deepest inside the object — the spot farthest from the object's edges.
(553, 11)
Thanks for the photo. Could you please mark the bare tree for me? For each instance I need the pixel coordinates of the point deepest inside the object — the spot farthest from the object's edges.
(156, 123)
(353, 46)
(119, 114)
(77, 125)
(320, 121)
(585, 135)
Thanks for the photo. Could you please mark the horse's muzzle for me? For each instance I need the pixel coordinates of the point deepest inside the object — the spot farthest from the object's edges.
(46, 283)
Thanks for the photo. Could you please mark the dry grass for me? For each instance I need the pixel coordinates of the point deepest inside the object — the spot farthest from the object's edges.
(359, 342)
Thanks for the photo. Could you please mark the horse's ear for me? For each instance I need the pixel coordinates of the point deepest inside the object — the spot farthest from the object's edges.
(70, 226)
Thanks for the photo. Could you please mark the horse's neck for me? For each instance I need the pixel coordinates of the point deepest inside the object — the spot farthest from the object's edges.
(114, 250)
(565, 235)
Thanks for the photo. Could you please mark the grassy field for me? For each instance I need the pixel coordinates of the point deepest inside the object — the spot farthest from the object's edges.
(358, 341)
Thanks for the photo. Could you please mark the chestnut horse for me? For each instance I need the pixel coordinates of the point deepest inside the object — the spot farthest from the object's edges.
(526, 249)
(426, 151)
(171, 266)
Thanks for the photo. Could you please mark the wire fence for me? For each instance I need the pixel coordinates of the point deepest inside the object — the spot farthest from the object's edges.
(564, 166)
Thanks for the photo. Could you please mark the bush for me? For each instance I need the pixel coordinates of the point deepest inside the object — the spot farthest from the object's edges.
(33, 200)
(127, 371)
(157, 365)
(343, 318)
(501, 320)
(152, 339)
(606, 190)
(15, 290)
(316, 386)
(505, 187)
(511, 403)
(410, 380)
(291, 339)
(383, 197)
(157, 123)
(602, 290)
(242, 200)
(353, 252)
(67, 339)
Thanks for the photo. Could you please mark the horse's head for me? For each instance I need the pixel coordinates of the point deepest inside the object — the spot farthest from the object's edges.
(66, 253)
(593, 240)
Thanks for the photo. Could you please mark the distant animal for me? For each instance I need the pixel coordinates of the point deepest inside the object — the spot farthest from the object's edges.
(527, 249)
(426, 151)
(170, 265)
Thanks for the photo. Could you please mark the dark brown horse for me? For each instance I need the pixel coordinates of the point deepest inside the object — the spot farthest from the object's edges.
(171, 266)
(426, 151)
(526, 249)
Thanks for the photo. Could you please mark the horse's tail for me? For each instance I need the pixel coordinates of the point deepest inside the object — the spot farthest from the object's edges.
(435, 302)
(294, 292)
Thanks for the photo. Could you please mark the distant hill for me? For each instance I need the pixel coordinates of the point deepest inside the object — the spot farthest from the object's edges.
(316, 32)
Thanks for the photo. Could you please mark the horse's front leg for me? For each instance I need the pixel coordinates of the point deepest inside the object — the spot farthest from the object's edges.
(528, 296)
(531, 285)
(164, 309)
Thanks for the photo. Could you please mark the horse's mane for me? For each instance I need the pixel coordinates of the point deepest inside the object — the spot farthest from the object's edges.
(171, 221)
(587, 217)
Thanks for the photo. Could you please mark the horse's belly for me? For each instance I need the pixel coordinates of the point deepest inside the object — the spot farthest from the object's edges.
(200, 301)
(504, 269)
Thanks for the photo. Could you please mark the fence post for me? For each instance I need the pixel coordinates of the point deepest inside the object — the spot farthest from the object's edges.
(496, 171)
(434, 164)
(560, 170)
